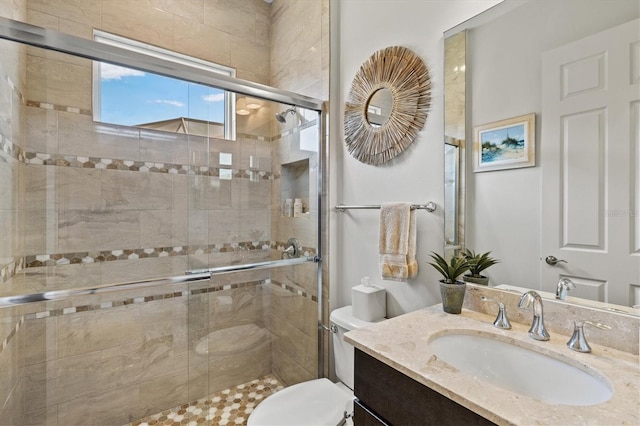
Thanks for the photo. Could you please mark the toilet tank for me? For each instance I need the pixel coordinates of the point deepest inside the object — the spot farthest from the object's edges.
(343, 353)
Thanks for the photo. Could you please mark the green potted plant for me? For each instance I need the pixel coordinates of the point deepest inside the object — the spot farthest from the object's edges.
(451, 289)
(478, 262)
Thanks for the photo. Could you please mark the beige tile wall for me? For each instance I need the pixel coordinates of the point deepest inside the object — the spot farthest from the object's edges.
(294, 318)
(118, 364)
(12, 336)
(147, 350)
(115, 365)
(293, 322)
(234, 34)
(300, 47)
(300, 63)
(88, 209)
(12, 370)
(12, 88)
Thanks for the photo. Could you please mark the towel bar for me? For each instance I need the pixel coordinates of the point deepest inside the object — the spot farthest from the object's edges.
(430, 207)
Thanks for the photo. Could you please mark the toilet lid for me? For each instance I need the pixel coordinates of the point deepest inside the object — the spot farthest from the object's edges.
(316, 402)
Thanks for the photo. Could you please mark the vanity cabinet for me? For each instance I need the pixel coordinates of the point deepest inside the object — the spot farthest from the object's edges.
(386, 396)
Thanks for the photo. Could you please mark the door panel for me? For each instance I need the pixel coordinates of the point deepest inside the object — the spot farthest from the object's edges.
(590, 159)
(584, 180)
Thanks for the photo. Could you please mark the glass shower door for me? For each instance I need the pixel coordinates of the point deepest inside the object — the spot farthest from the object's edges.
(107, 310)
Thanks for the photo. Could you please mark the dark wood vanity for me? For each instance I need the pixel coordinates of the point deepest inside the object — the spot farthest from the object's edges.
(385, 396)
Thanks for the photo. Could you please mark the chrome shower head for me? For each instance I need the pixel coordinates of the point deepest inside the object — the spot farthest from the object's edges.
(282, 116)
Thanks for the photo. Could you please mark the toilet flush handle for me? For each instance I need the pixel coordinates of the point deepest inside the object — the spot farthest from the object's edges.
(331, 329)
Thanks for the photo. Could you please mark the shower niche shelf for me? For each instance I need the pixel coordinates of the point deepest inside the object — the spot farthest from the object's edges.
(294, 183)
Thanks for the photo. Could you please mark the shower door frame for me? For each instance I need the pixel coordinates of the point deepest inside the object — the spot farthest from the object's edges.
(32, 35)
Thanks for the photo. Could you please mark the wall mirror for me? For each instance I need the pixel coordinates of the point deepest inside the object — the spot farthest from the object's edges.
(559, 60)
(387, 105)
(379, 107)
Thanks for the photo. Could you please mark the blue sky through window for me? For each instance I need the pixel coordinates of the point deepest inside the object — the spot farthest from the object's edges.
(132, 97)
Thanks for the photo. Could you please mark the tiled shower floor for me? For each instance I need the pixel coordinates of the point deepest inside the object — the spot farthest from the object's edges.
(227, 407)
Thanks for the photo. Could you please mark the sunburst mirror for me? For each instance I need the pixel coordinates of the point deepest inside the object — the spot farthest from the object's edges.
(387, 106)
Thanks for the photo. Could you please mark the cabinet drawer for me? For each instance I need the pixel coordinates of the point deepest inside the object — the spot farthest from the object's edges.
(362, 416)
(399, 400)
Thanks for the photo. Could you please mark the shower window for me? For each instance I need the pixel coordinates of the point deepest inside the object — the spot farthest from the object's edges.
(131, 97)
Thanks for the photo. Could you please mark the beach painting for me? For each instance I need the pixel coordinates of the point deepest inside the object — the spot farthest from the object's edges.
(505, 144)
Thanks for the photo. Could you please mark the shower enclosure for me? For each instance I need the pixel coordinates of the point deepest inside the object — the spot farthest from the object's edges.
(147, 266)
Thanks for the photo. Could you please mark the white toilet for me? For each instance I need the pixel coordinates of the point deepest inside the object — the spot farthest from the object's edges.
(316, 402)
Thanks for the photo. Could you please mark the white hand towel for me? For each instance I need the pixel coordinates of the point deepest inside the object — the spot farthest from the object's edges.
(397, 246)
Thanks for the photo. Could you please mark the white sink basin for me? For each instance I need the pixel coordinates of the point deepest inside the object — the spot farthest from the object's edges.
(521, 370)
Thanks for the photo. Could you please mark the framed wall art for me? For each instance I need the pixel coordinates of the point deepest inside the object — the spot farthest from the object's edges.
(505, 144)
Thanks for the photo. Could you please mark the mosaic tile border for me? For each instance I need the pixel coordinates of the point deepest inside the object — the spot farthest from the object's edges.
(16, 153)
(64, 108)
(60, 160)
(141, 299)
(60, 259)
(295, 290)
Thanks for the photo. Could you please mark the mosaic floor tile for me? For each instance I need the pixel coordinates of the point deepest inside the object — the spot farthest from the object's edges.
(227, 407)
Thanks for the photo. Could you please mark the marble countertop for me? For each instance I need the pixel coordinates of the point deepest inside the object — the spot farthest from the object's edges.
(403, 343)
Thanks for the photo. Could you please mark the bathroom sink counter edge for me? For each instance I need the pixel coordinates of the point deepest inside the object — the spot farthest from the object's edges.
(403, 344)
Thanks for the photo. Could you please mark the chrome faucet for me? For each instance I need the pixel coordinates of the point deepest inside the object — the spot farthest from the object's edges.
(292, 249)
(537, 330)
(564, 285)
(578, 342)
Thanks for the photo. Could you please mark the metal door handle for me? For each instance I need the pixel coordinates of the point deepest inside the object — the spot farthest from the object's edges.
(553, 261)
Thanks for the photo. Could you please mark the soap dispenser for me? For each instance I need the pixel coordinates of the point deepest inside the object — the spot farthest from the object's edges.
(369, 302)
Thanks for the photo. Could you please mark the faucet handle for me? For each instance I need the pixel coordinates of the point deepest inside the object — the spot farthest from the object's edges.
(578, 341)
(501, 321)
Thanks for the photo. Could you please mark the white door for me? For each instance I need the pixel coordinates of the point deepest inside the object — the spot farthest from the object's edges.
(590, 159)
